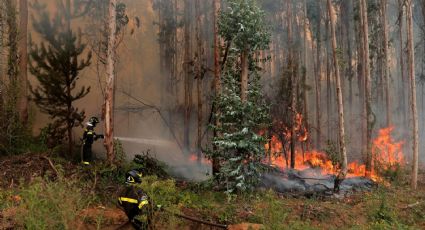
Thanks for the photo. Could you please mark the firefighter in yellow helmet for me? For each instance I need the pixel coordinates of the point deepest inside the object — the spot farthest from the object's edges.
(135, 202)
(89, 137)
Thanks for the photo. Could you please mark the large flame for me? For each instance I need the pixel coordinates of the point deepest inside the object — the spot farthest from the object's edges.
(386, 152)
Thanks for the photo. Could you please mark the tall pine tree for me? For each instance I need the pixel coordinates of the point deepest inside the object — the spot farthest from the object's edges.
(56, 63)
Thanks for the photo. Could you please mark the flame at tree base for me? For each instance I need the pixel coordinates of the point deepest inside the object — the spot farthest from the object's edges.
(386, 154)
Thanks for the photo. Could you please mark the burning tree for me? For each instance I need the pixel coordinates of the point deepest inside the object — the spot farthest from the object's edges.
(243, 113)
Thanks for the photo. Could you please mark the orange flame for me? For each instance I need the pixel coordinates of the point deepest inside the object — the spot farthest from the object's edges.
(386, 152)
(194, 158)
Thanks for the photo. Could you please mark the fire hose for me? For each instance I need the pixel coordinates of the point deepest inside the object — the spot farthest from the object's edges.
(196, 220)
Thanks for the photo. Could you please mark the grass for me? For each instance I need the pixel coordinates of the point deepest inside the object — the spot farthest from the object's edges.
(45, 204)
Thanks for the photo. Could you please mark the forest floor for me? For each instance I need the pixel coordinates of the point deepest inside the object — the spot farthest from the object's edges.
(38, 192)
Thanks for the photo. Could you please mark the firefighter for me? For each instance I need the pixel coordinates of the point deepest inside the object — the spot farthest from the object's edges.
(89, 137)
(135, 201)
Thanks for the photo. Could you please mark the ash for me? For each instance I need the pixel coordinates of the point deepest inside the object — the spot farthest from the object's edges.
(311, 181)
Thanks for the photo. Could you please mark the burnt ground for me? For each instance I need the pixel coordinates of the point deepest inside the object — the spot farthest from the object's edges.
(359, 210)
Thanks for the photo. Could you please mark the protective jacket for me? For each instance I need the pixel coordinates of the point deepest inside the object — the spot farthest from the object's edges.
(137, 206)
(89, 136)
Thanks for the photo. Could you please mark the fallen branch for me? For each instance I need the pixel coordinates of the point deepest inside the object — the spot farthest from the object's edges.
(51, 165)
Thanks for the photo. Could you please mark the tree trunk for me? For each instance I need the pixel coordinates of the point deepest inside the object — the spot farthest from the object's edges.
(12, 89)
(318, 81)
(349, 53)
(343, 172)
(244, 76)
(361, 80)
(411, 62)
(199, 76)
(68, 15)
(109, 92)
(305, 74)
(187, 75)
(291, 69)
(217, 80)
(384, 4)
(328, 80)
(368, 97)
(401, 60)
(23, 60)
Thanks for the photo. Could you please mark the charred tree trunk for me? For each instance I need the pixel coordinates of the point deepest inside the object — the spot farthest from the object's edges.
(341, 176)
(23, 60)
(411, 68)
(109, 92)
(368, 97)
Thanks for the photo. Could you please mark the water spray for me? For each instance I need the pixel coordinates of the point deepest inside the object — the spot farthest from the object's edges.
(146, 141)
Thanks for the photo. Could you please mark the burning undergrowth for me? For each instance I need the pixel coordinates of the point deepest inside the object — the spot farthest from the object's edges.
(315, 171)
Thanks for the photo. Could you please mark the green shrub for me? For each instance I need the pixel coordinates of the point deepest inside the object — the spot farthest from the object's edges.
(164, 193)
(51, 204)
(149, 165)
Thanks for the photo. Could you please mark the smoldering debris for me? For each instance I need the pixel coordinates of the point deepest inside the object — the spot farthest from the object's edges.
(312, 181)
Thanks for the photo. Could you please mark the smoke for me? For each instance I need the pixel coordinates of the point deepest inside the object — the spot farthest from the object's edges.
(179, 165)
(142, 74)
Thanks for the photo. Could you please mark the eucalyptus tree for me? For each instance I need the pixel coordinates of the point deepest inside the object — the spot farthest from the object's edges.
(411, 73)
(242, 111)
